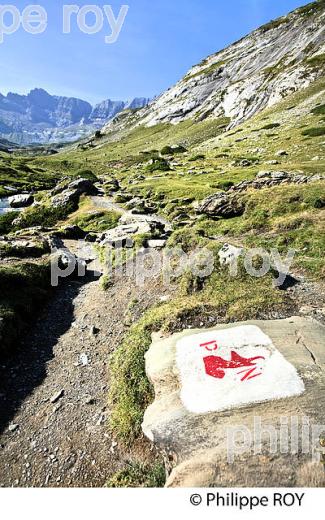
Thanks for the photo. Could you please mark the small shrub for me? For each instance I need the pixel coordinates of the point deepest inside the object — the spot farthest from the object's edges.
(45, 216)
(105, 282)
(167, 150)
(198, 157)
(270, 126)
(6, 221)
(159, 164)
(139, 475)
(320, 110)
(314, 132)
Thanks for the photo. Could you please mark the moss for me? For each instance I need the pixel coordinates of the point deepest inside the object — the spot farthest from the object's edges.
(139, 475)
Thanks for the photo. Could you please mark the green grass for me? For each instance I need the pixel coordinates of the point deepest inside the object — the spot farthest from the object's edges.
(138, 475)
(286, 217)
(207, 71)
(6, 221)
(24, 288)
(319, 110)
(316, 61)
(96, 221)
(42, 215)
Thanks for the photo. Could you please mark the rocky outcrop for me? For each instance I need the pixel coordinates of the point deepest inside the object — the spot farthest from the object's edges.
(123, 235)
(70, 193)
(207, 447)
(229, 204)
(222, 205)
(29, 243)
(108, 109)
(21, 201)
(268, 179)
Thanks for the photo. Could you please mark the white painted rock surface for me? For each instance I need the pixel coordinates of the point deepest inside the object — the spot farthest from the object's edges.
(233, 367)
(196, 403)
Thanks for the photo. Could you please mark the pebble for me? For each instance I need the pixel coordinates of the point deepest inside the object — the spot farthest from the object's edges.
(13, 427)
(57, 396)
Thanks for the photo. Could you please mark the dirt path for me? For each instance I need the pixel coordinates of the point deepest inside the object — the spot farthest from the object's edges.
(64, 359)
(108, 203)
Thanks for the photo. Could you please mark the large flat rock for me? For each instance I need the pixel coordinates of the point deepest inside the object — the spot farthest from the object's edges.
(216, 388)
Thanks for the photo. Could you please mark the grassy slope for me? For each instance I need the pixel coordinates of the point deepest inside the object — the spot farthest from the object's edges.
(283, 217)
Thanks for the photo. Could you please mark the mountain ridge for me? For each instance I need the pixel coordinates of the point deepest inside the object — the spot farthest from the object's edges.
(41, 117)
(254, 73)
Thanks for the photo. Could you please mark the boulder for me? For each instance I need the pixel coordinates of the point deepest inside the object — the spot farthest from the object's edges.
(216, 387)
(21, 201)
(71, 233)
(72, 193)
(66, 198)
(222, 205)
(83, 186)
(156, 244)
(123, 234)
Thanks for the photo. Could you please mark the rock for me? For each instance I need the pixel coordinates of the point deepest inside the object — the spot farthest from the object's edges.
(137, 225)
(84, 360)
(156, 244)
(272, 162)
(83, 186)
(71, 233)
(13, 427)
(57, 396)
(281, 153)
(222, 205)
(28, 246)
(67, 197)
(212, 385)
(228, 254)
(91, 237)
(72, 193)
(21, 201)
(65, 259)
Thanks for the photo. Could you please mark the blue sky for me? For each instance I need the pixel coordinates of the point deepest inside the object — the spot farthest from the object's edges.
(159, 41)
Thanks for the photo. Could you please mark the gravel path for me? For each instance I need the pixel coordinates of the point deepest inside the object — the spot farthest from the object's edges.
(53, 394)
